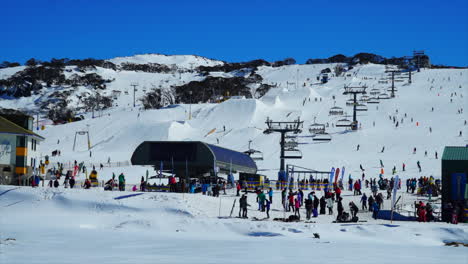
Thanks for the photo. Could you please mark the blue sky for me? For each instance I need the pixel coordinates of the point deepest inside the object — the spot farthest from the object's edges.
(234, 30)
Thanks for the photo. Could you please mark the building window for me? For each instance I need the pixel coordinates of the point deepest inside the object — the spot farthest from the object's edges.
(20, 141)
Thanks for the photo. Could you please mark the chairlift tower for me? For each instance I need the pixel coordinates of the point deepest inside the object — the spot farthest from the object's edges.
(284, 127)
(134, 85)
(355, 90)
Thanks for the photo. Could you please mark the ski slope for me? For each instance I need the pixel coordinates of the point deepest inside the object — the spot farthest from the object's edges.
(117, 132)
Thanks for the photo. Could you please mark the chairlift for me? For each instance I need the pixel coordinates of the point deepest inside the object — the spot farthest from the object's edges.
(324, 137)
(293, 153)
(373, 100)
(374, 91)
(350, 102)
(126, 92)
(361, 107)
(383, 96)
(344, 123)
(394, 89)
(316, 128)
(254, 154)
(336, 111)
(364, 98)
(291, 145)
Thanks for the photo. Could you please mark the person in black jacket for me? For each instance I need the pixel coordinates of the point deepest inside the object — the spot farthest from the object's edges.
(316, 205)
(353, 209)
(308, 206)
(340, 208)
(323, 205)
(72, 182)
(243, 206)
(370, 200)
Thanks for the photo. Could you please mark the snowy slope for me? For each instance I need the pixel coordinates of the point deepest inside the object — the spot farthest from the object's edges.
(121, 129)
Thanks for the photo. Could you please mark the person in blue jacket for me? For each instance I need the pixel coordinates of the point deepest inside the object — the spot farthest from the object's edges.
(376, 209)
(270, 195)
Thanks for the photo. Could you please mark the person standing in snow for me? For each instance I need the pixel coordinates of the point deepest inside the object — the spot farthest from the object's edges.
(364, 202)
(243, 206)
(419, 165)
(238, 188)
(121, 182)
(308, 207)
(340, 208)
(370, 201)
(267, 207)
(323, 204)
(270, 195)
(330, 205)
(297, 206)
(375, 210)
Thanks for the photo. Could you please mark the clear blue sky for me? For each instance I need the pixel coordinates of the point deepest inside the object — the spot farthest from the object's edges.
(235, 30)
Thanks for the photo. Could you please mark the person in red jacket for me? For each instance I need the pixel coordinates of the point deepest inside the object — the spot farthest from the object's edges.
(238, 188)
(338, 192)
(421, 212)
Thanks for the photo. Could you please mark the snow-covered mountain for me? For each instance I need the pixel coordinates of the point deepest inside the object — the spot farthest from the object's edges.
(294, 92)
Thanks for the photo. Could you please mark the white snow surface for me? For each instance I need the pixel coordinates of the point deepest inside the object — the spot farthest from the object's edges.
(89, 226)
(79, 226)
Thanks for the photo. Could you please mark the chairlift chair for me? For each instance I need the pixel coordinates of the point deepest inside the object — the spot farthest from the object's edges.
(383, 96)
(374, 91)
(350, 102)
(254, 154)
(336, 111)
(364, 98)
(317, 128)
(292, 153)
(373, 100)
(361, 107)
(323, 137)
(394, 89)
(344, 123)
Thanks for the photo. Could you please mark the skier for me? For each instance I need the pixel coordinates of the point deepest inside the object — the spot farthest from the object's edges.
(364, 202)
(381, 164)
(383, 149)
(419, 165)
(56, 183)
(357, 148)
(360, 166)
(436, 155)
(414, 151)
(261, 201)
(404, 166)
